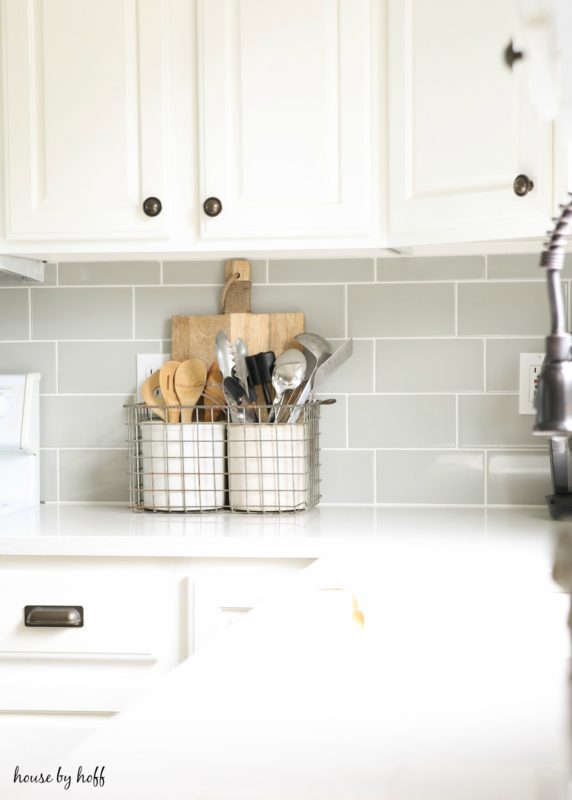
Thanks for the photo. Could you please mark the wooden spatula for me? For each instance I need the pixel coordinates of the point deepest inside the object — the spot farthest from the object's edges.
(214, 393)
(150, 392)
(167, 386)
(190, 380)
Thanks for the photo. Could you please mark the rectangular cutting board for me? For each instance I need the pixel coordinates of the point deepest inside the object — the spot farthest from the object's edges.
(194, 337)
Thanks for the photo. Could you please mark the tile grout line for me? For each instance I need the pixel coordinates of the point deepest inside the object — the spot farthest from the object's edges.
(58, 474)
(375, 476)
(484, 366)
(161, 281)
(486, 470)
(29, 314)
(456, 300)
(132, 313)
(346, 308)
(456, 421)
(486, 257)
(57, 366)
(267, 270)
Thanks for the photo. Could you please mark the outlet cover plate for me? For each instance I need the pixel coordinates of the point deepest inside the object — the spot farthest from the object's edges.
(147, 364)
(530, 364)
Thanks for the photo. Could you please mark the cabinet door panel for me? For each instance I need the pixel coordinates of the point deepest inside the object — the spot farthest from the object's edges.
(129, 638)
(461, 126)
(84, 127)
(285, 102)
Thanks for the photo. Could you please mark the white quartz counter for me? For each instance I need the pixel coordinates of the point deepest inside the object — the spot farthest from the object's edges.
(114, 531)
(456, 687)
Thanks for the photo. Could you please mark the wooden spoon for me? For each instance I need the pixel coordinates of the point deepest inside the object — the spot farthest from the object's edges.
(190, 380)
(214, 393)
(150, 392)
(167, 386)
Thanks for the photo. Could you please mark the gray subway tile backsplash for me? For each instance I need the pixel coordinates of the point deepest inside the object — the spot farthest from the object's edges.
(113, 273)
(429, 476)
(82, 421)
(100, 367)
(31, 357)
(323, 306)
(401, 310)
(493, 421)
(514, 266)
(357, 374)
(431, 268)
(80, 313)
(347, 476)
(503, 360)
(518, 477)
(429, 365)
(502, 309)
(208, 271)
(14, 314)
(402, 421)
(93, 476)
(321, 270)
(48, 476)
(333, 423)
(426, 406)
(155, 307)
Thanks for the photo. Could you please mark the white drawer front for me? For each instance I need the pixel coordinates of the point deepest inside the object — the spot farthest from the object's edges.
(129, 636)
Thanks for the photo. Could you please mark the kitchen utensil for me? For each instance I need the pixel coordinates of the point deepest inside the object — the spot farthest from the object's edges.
(241, 369)
(190, 380)
(151, 394)
(288, 374)
(167, 386)
(225, 355)
(20, 441)
(213, 394)
(334, 362)
(317, 351)
(234, 390)
(195, 336)
(260, 369)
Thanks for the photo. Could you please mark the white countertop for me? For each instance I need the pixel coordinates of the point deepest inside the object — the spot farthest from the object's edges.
(114, 531)
(456, 687)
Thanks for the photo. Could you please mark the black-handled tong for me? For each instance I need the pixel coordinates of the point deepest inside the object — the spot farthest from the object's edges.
(260, 369)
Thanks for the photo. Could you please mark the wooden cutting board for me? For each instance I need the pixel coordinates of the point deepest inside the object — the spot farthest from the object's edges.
(194, 337)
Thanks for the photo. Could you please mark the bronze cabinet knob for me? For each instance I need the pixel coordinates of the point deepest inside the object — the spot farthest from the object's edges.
(212, 206)
(511, 55)
(522, 185)
(152, 206)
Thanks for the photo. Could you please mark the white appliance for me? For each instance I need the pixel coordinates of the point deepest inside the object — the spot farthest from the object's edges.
(19, 441)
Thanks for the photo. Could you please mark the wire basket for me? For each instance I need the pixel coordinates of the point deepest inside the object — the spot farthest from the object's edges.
(221, 459)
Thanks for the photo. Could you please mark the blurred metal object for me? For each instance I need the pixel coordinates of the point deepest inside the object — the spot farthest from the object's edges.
(554, 394)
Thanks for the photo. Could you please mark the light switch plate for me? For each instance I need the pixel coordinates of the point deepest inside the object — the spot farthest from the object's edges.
(147, 364)
(530, 366)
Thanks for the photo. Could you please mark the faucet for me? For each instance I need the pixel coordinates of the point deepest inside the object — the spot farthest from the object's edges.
(554, 392)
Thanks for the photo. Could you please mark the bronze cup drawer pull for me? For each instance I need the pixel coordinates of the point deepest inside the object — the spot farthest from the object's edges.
(53, 616)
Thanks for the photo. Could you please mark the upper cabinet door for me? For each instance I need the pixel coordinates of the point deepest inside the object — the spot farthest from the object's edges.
(461, 126)
(285, 105)
(84, 122)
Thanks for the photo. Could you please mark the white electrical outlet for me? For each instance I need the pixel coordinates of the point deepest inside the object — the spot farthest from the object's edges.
(147, 364)
(530, 366)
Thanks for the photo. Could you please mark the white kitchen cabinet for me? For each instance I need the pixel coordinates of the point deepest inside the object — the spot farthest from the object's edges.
(142, 617)
(461, 127)
(85, 115)
(285, 118)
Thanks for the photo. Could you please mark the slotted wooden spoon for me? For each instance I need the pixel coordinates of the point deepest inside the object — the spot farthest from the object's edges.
(167, 386)
(150, 392)
(190, 380)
